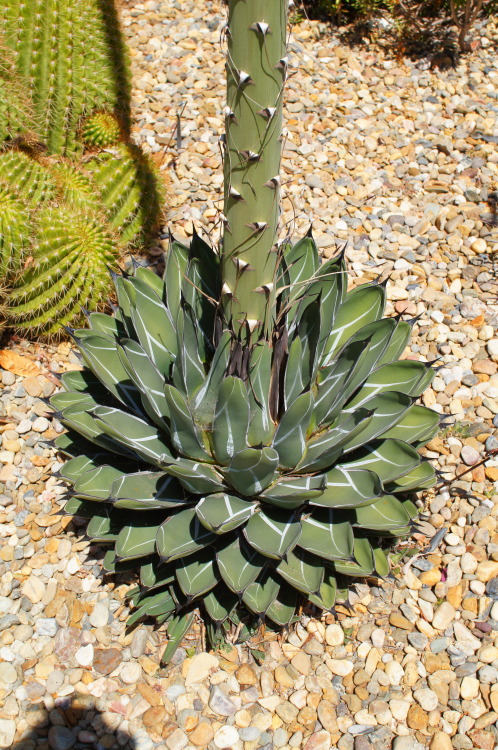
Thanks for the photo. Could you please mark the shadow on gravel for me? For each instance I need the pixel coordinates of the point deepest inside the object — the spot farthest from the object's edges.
(72, 723)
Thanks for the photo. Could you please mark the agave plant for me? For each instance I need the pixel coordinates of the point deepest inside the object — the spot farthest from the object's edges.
(243, 431)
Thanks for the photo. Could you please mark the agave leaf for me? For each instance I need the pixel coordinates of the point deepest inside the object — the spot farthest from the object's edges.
(410, 508)
(177, 261)
(77, 467)
(201, 288)
(149, 277)
(73, 444)
(333, 380)
(204, 403)
(251, 470)
(326, 292)
(261, 427)
(389, 459)
(291, 492)
(302, 571)
(154, 573)
(361, 306)
(96, 484)
(323, 450)
(106, 324)
(364, 563)
(138, 538)
(134, 433)
(349, 489)
(148, 380)
(294, 381)
(425, 381)
(326, 597)
(221, 513)
(188, 371)
(282, 609)
(85, 382)
(154, 605)
(181, 535)
(290, 437)
(308, 331)
(300, 262)
(197, 574)
(397, 342)
(260, 594)
(239, 564)
(273, 533)
(147, 490)
(401, 377)
(417, 422)
(185, 436)
(87, 427)
(177, 628)
(220, 603)
(197, 478)
(80, 508)
(381, 561)
(101, 356)
(385, 513)
(231, 420)
(421, 477)
(152, 323)
(103, 528)
(64, 399)
(386, 409)
(123, 313)
(324, 537)
(112, 565)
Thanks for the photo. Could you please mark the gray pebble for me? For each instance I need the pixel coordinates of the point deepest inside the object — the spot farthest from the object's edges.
(60, 738)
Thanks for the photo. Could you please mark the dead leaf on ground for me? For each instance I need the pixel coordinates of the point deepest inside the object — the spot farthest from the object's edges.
(17, 364)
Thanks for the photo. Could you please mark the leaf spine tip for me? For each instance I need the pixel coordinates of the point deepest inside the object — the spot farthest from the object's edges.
(273, 183)
(257, 226)
(261, 28)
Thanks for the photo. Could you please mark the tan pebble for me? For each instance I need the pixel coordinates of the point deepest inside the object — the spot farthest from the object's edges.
(454, 595)
(301, 662)
(493, 698)
(441, 741)
(443, 616)
(430, 577)
(200, 667)
(242, 718)
(33, 589)
(341, 667)
(487, 570)
(334, 635)
(153, 716)
(202, 734)
(148, 665)
(283, 677)
(398, 621)
(7, 553)
(486, 720)
(246, 675)
(469, 688)
(482, 739)
(417, 718)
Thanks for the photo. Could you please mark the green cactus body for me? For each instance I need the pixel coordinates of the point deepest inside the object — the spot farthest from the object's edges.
(16, 112)
(72, 55)
(256, 69)
(69, 271)
(30, 179)
(131, 190)
(101, 129)
(13, 231)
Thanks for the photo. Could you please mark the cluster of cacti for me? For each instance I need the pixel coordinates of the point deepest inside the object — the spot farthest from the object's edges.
(62, 69)
(244, 432)
(72, 57)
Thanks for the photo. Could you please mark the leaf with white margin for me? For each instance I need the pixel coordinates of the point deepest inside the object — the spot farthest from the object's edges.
(347, 488)
(181, 535)
(221, 512)
(272, 533)
(324, 537)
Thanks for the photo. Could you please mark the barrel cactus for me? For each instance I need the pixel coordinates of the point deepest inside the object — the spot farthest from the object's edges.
(72, 56)
(243, 432)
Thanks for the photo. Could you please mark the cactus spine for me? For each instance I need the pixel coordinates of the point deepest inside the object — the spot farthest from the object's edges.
(256, 71)
(72, 56)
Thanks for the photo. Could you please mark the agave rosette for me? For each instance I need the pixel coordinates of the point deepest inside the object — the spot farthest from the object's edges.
(244, 476)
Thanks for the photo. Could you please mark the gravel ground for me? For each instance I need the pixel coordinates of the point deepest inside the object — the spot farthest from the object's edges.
(399, 159)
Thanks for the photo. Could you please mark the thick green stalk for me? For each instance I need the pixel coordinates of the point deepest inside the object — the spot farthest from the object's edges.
(256, 72)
